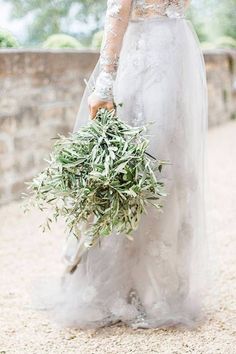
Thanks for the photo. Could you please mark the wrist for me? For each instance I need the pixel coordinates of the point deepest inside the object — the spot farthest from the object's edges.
(104, 86)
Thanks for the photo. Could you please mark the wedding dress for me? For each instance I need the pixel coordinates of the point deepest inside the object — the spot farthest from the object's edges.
(150, 63)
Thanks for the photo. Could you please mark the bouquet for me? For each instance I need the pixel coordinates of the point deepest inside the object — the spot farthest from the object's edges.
(102, 171)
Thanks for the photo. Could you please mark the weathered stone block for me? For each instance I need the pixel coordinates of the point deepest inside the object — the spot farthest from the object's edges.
(25, 143)
(17, 188)
(6, 145)
(8, 123)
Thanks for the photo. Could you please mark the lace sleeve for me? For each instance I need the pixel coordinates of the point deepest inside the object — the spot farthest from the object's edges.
(117, 17)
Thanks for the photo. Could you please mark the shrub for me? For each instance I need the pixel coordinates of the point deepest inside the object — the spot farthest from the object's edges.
(97, 39)
(208, 45)
(7, 40)
(225, 42)
(61, 41)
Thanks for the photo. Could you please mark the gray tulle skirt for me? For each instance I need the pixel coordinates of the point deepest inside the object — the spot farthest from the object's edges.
(158, 279)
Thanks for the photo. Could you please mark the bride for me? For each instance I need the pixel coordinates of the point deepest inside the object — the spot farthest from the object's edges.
(151, 64)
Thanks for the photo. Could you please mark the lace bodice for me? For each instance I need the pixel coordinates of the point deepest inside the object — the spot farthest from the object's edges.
(147, 8)
(118, 15)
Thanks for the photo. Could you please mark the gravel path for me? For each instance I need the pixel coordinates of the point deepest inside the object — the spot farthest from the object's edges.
(25, 254)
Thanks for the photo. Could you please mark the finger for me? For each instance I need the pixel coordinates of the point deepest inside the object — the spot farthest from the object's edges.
(93, 112)
(90, 111)
(110, 106)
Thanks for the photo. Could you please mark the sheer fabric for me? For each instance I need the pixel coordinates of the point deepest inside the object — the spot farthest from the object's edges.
(117, 17)
(152, 64)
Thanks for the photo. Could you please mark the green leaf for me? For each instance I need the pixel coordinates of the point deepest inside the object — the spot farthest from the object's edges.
(101, 173)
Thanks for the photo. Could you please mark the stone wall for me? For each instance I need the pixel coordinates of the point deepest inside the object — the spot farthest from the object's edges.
(40, 95)
(221, 78)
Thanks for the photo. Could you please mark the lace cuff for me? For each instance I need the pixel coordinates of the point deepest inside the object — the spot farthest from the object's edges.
(104, 86)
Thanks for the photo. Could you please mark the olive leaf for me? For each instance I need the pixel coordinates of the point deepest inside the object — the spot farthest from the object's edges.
(102, 171)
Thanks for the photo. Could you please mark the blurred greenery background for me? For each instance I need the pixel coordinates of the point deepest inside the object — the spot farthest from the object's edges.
(79, 23)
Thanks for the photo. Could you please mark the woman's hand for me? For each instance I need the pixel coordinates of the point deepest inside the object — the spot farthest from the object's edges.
(95, 104)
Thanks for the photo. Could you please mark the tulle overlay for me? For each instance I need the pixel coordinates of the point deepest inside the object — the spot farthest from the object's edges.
(158, 278)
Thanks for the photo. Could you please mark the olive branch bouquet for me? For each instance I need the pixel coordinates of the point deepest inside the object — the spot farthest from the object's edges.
(103, 171)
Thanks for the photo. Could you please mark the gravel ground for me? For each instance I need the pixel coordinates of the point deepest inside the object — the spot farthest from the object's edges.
(26, 254)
